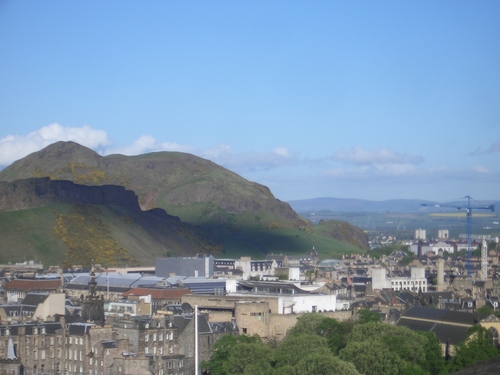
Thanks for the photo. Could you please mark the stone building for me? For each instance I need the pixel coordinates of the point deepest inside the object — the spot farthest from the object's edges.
(159, 344)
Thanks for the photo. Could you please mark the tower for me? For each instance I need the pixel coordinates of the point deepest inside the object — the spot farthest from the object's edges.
(92, 304)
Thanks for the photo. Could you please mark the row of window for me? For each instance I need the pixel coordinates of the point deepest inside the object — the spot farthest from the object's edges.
(159, 336)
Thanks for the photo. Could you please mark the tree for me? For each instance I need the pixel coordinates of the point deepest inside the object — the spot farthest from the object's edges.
(335, 332)
(366, 316)
(222, 350)
(249, 358)
(317, 363)
(372, 357)
(434, 362)
(477, 347)
(296, 347)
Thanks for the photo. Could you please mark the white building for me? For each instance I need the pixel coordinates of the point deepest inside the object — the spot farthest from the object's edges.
(420, 234)
(443, 234)
(436, 247)
(416, 282)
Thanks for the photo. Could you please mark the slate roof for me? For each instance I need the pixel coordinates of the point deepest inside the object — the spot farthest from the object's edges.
(78, 329)
(33, 299)
(224, 327)
(449, 326)
(106, 344)
(451, 317)
(50, 327)
(113, 280)
(182, 321)
(179, 309)
(444, 332)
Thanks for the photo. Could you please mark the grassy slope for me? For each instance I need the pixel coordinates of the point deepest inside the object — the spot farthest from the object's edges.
(29, 234)
(242, 215)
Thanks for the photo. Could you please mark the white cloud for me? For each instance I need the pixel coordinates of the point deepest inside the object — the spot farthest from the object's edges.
(283, 151)
(146, 144)
(14, 147)
(251, 161)
(359, 156)
(480, 169)
(361, 164)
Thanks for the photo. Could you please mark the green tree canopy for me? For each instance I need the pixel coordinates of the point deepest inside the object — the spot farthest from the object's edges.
(372, 357)
(296, 347)
(477, 347)
(250, 359)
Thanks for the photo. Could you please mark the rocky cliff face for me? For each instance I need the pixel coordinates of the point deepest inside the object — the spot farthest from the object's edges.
(34, 192)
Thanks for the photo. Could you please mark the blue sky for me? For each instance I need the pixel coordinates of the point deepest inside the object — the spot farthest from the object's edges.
(350, 99)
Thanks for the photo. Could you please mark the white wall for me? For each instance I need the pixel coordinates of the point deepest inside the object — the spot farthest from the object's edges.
(301, 303)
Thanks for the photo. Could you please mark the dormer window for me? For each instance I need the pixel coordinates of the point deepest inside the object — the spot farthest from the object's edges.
(35, 331)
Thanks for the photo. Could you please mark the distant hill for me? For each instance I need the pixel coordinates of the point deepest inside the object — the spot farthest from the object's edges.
(360, 205)
(213, 209)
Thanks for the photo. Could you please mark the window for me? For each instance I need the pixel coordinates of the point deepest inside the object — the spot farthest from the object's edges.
(146, 337)
(51, 340)
(107, 351)
(154, 336)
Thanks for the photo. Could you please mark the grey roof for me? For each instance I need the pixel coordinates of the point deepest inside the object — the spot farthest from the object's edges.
(107, 344)
(445, 333)
(33, 299)
(113, 280)
(223, 327)
(78, 329)
(449, 326)
(448, 316)
(182, 321)
(331, 263)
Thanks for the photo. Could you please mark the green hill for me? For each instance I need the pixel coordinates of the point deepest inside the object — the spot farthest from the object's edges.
(227, 214)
